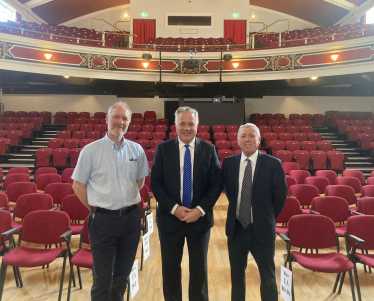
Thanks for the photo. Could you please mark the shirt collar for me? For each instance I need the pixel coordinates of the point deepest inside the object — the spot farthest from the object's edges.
(112, 144)
(252, 158)
(182, 144)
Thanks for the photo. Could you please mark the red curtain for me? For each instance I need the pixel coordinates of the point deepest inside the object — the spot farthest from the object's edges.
(236, 30)
(144, 29)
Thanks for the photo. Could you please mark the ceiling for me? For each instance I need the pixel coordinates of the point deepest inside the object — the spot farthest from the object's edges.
(320, 12)
(13, 82)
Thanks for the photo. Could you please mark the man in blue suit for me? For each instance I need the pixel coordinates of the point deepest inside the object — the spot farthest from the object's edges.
(256, 188)
(186, 182)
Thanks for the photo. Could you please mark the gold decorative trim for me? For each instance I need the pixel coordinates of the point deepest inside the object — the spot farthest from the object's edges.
(179, 67)
(294, 61)
(87, 60)
(5, 50)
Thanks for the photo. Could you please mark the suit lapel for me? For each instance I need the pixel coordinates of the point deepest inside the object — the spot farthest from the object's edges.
(258, 166)
(175, 161)
(198, 156)
(236, 168)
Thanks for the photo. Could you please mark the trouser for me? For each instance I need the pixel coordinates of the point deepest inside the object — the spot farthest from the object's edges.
(239, 246)
(114, 241)
(172, 244)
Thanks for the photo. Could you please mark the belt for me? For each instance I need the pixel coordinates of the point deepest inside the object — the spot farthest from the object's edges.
(121, 212)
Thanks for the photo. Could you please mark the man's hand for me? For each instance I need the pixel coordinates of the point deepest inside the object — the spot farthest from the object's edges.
(192, 216)
(181, 212)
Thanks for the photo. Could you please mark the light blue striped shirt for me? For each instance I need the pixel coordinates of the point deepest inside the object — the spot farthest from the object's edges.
(111, 173)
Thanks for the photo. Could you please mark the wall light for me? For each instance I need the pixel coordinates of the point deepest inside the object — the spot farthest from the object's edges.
(253, 16)
(48, 56)
(235, 65)
(126, 15)
(145, 65)
(335, 57)
(66, 76)
(314, 77)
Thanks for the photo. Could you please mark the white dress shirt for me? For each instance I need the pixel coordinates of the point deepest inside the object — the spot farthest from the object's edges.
(182, 152)
(243, 164)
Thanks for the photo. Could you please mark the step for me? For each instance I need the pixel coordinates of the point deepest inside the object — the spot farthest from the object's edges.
(344, 149)
(21, 160)
(351, 154)
(40, 143)
(340, 145)
(359, 164)
(358, 158)
(363, 169)
(49, 135)
(42, 139)
(5, 165)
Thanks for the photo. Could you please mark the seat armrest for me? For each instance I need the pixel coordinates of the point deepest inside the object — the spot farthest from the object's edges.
(356, 213)
(284, 237)
(314, 212)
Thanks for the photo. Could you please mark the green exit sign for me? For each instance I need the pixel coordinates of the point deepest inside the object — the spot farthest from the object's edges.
(144, 14)
(235, 15)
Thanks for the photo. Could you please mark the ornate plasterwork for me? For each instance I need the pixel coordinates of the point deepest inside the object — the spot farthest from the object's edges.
(293, 61)
(179, 67)
(5, 50)
(87, 60)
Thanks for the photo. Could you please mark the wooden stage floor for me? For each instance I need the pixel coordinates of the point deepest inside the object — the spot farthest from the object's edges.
(43, 285)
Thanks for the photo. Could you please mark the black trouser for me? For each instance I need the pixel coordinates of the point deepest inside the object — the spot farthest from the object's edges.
(242, 243)
(114, 241)
(172, 244)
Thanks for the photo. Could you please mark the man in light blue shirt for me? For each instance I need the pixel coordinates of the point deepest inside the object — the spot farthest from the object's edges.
(107, 179)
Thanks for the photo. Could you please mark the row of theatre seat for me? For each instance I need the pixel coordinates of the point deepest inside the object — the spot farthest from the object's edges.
(53, 32)
(316, 120)
(316, 35)
(189, 41)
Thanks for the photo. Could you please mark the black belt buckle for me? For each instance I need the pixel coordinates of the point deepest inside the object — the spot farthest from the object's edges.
(124, 210)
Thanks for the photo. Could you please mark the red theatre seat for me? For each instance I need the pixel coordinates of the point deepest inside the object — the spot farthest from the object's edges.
(336, 159)
(319, 159)
(60, 157)
(74, 155)
(303, 158)
(284, 155)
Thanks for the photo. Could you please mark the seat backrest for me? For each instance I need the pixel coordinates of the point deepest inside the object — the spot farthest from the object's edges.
(344, 191)
(5, 222)
(44, 170)
(334, 207)
(288, 166)
(16, 189)
(66, 175)
(32, 202)
(350, 181)
(299, 175)
(74, 207)
(366, 205)
(43, 180)
(59, 191)
(16, 177)
(304, 193)
(45, 227)
(320, 182)
(362, 227)
(329, 174)
(305, 230)
(291, 207)
(355, 173)
(14, 170)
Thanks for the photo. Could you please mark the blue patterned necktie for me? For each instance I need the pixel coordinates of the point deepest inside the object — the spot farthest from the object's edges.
(187, 178)
(245, 208)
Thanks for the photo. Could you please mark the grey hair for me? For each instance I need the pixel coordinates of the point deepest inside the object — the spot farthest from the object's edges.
(189, 110)
(120, 104)
(251, 125)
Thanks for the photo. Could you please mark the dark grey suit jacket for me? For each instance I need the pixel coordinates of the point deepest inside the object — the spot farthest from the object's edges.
(268, 195)
(165, 183)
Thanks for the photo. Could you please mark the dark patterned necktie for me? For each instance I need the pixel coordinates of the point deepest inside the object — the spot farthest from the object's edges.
(245, 208)
(187, 178)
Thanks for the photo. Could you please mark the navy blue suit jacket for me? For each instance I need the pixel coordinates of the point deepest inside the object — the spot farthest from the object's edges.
(268, 195)
(165, 183)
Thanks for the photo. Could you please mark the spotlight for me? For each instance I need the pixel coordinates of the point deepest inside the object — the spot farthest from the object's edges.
(48, 56)
(146, 56)
(335, 57)
(235, 65)
(314, 77)
(145, 65)
(227, 57)
(66, 76)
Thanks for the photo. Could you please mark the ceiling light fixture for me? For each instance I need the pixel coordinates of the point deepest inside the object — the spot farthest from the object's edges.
(335, 57)
(314, 77)
(48, 56)
(145, 65)
(235, 65)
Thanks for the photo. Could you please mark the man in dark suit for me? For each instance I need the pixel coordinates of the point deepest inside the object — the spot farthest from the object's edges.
(186, 181)
(256, 188)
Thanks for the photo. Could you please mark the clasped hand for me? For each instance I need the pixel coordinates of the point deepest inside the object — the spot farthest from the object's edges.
(187, 215)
